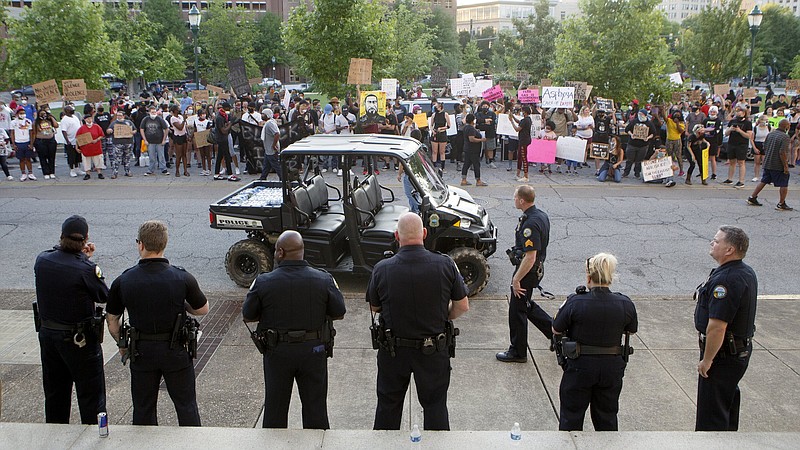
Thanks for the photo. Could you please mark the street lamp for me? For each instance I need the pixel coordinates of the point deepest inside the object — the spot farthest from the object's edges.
(754, 19)
(273, 67)
(194, 24)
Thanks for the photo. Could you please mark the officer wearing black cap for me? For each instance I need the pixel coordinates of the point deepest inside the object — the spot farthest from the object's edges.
(528, 255)
(68, 287)
(293, 306)
(592, 322)
(725, 318)
(417, 292)
(157, 296)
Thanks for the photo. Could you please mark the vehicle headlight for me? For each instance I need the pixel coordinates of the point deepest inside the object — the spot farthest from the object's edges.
(465, 223)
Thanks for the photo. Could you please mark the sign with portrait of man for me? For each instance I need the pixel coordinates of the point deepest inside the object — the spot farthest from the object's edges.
(372, 107)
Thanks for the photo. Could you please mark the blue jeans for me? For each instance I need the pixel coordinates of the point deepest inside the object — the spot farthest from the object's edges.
(156, 154)
(271, 162)
(408, 188)
(604, 171)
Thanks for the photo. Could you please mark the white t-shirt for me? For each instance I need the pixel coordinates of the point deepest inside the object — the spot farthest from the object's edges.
(4, 148)
(5, 118)
(201, 125)
(581, 124)
(70, 125)
(344, 120)
(22, 130)
(328, 123)
(177, 120)
(254, 118)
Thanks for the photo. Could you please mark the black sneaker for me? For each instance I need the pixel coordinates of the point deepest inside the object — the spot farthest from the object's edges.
(738, 185)
(101, 176)
(753, 201)
(713, 176)
(725, 182)
(783, 207)
(87, 176)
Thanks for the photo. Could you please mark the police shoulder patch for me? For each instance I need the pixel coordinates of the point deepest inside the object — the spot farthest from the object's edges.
(720, 291)
(526, 232)
(98, 272)
(528, 243)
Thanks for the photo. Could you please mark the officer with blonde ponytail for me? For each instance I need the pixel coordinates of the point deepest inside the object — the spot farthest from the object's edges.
(591, 324)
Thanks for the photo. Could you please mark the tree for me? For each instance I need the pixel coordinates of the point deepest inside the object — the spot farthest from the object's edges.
(227, 33)
(412, 41)
(4, 24)
(778, 39)
(795, 73)
(619, 65)
(61, 39)
(322, 40)
(132, 32)
(168, 17)
(463, 39)
(267, 41)
(169, 63)
(484, 40)
(471, 61)
(442, 28)
(714, 43)
(533, 48)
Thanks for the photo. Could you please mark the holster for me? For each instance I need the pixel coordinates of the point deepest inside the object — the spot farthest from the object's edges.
(37, 321)
(451, 332)
(97, 324)
(327, 335)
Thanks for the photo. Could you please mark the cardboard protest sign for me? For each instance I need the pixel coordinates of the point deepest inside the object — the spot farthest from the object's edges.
(599, 150)
(793, 85)
(200, 95)
(657, 169)
(546, 82)
(675, 78)
(389, 86)
(201, 137)
(439, 76)
(558, 97)
(581, 89)
(84, 139)
(521, 75)
(216, 90)
(254, 81)
(605, 104)
(237, 76)
(224, 96)
(571, 148)
(721, 89)
(749, 93)
(360, 71)
(122, 131)
(74, 90)
(640, 131)
(372, 106)
(421, 120)
(704, 157)
(506, 85)
(493, 93)
(504, 126)
(528, 96)
(542, 151)
(677, 97)
(695, 95)
(589, 88)
(46, 92)
(95, 96)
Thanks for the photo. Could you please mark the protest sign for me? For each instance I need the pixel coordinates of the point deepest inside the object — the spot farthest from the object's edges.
(536, 124)
(286, 100)
(749, 93)
(504, 125)
(704, 157)
(84, 139)
(581, 89)
(216, 90)
(528, 96)
(546, 82)
(493, 93)
(200, 95)
(571, 148)
(237, 76)
(123, 131)
(599, 150)
(389, 85)
(605, 104)
(372, 107)
(521, 75)
(479, 87)
(254, 81)
(589, 88)
(46, 92)
(360, 71)
(721, 89)
(640, 131)
(74, 90)
(95, 96)
(453, 129)
(439, 76)
(675, 78)
(201, 138)
(468, 81)
(558, 97)
(457, 86)
(421, 120)
(657, 169)
(677, 97)
(695, 95)
(506, 85)
(793, 85)
(542, 151)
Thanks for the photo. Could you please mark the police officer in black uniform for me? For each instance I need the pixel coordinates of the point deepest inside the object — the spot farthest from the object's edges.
(725, 318)
(593, 320)
(528, 255)
(157, 296)
(293, 305)
(416, 292)
(68, 285)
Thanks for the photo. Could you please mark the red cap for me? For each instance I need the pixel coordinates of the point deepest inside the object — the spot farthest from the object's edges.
(635, 102)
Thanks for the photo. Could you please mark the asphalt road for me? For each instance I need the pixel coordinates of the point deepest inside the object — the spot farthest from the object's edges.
(659, 235)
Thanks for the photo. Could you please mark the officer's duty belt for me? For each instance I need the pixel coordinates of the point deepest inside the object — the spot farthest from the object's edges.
(59, 326)
(155, 336)
(416, 343)
(594, 350)
(294, 337)
(741, 343)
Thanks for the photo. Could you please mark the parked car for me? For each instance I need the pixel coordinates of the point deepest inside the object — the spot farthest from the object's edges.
(271, 82)
(189, 87)
(26, 91)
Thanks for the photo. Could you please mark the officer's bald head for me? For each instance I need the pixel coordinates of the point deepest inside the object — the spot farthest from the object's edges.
(410, 230)
(289, 246)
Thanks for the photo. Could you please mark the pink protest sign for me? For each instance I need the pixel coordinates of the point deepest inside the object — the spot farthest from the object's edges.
(493, 93)
(528, 96)
(542, 151)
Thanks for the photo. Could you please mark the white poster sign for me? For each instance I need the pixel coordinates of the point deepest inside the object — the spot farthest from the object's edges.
(286, 100)
(558, 97)
(657, 169)
(504, 126)
(571, 148)
(468, 82)
(675, 78)
(453, 130)
(389, 85)
(479, 87)
(457, 86)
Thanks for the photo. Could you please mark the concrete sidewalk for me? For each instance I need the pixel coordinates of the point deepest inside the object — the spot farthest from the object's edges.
(485, 395)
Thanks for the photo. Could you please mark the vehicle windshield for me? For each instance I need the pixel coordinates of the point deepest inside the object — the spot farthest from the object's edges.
(425, 174)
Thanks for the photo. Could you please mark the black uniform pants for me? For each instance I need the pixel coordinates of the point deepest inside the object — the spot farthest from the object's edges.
(431, 377)
(306, 363)
(593, 381)
(64, 363)
(155, 361)
(520, 311)
(718, 396)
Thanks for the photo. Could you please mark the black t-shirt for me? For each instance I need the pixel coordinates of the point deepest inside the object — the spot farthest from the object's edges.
(154, 129)
(219, 124)
(533, 233)
(154, 292)
(735, 139)
(413, 289)
(470, 130)
(599, 317)
(714, 135)
(391, 119)
(779, 104)
(67, 286)
(525, 129)
(602, 129)
(697, 144)
(729, 295)
(754, 104)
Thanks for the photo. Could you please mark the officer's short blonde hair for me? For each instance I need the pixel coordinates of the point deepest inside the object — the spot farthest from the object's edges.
(601, 268)
(153, 235)
(526, 193)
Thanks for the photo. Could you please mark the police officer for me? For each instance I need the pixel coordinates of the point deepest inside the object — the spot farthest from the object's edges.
(292, 305)
(593, 319)
(725, 318)
(68, 285)
(416, 292)
(528, 255)
(157, 296)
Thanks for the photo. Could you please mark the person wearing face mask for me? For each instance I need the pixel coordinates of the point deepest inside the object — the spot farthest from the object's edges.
(179, 140)
(44, 128)
(122, 147)
(6, 114)
(102, 118)
(202, 123)
(222, 124)
(30, 109)
(486, 121)
(271, 135)
(21, 136)
(92, 153)
(440, 123)
(153, 130)
(636, 150)
(713, 125)
(740, 132)
(69, 128)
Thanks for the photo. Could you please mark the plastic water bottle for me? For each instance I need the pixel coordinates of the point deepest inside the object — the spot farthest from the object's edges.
(416, 436)
(516, 434)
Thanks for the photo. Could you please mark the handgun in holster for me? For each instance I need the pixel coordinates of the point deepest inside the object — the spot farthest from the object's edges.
(97, 323)
(176, 332)
(558, 347)
(451, 332)
(515, 256)
(130, 341)
(327, 336)
(191, 332)
(389, 342)
(37, 321)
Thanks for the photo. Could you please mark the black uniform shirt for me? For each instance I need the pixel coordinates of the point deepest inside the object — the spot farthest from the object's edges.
(533, 233)
(154, 292)
(413, 289)
(598, 317)
(294, 296)
(729, 295)
(67, 286)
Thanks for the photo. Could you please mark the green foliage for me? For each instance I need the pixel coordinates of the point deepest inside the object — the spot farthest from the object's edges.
(411, 42)
(323, 40)
(169, 63)
(619, 65)
(4, 21)
(534, 46)
(61, 39)
(778, 38)
(485, 39)
(471, 61)
(795, 73)
(133, 33)
(442, 29)
(267, 41)
(168, 17)
(714, 43)
(463, 39)
(225, 33)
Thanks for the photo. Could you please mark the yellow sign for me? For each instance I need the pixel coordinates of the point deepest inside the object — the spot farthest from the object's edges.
(421, 120)
(704, 156)
(372, 107)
